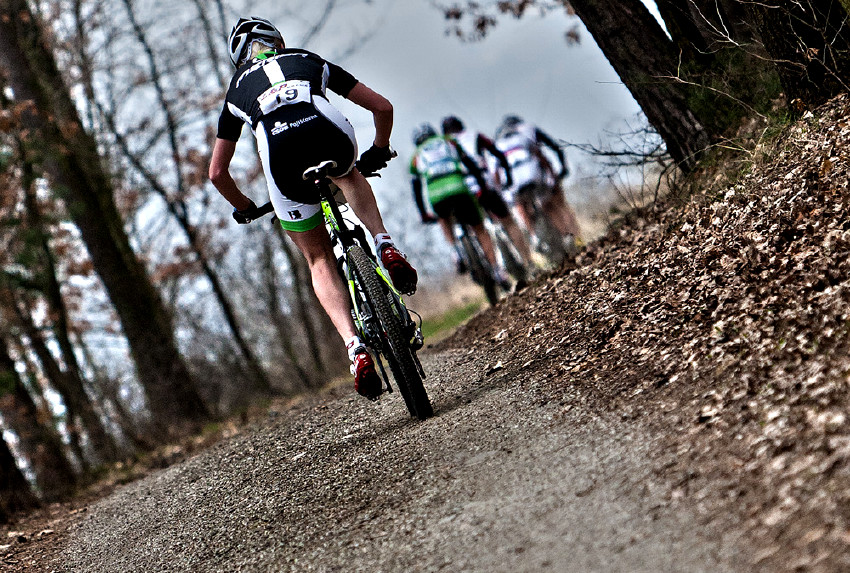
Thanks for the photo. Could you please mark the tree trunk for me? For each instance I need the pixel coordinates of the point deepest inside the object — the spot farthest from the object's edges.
(306, 310)
(39, 441)
(644, 58)
(77, 403)
(727, 76)
(15, 492)
(685, 31)
(282, 326)
(71, 378)
(72, 163)
(809, 42)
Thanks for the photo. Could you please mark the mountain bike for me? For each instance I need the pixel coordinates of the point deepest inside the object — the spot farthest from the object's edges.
(507, 252)
(382, 320)
(549, 242)
(476, 261)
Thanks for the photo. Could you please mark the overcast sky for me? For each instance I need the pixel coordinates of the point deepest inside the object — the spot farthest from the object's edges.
(523, 67)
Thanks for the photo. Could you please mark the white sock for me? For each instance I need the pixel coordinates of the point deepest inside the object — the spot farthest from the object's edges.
(351, 345)
(382, 239)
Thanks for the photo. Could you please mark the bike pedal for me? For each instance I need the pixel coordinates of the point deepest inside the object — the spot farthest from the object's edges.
(418, 341)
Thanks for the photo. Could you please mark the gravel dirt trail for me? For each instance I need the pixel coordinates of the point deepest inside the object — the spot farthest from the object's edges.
(499, 480)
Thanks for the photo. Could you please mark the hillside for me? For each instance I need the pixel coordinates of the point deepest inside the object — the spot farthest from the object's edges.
(722, 323)
(677, 400)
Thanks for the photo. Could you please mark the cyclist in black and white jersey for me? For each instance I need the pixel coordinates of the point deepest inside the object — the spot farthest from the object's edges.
(281, 93)
(533, 173)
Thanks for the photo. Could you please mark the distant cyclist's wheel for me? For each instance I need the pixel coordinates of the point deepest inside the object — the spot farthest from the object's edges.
(479, 267)
(550, 240)
(397, 350)
(511, 258)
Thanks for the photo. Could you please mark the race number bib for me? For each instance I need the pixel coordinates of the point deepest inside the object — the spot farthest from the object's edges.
(286, 93)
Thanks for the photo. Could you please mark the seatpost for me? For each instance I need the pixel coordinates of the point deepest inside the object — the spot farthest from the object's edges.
(318, 175)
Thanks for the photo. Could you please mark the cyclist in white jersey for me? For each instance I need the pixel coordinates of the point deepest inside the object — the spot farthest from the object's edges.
(475, 145)
(281, 94)
(534, 174)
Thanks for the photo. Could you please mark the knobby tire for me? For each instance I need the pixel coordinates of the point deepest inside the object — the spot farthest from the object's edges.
(511, 257)
(479, 267)
(396, 349)
(551, 240)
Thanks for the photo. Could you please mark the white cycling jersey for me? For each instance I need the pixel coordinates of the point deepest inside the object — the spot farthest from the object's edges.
(520, 147)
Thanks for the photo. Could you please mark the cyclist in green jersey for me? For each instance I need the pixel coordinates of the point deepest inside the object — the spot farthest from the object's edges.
(440, 168)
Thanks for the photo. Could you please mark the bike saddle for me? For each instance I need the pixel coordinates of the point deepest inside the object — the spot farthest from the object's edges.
(319, 171)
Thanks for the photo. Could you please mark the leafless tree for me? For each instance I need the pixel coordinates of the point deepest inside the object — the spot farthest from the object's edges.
(71, 161)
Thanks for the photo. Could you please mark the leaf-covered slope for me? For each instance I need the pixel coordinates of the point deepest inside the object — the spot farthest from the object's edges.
(722, 322)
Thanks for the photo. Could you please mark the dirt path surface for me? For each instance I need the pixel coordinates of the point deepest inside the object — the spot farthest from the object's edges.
(502, 479)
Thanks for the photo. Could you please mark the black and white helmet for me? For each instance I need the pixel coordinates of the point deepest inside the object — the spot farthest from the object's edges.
(245, 31)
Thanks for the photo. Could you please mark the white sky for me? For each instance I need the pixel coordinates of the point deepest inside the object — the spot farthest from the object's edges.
(523, 67)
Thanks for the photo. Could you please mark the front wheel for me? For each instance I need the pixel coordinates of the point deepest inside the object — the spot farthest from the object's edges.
(395, 346)
(511, 258)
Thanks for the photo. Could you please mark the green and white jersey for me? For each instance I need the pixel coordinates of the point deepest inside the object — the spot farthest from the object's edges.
(437, 163)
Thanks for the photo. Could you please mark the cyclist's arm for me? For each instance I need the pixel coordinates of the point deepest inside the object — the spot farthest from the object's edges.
(381, 108)
(416, 183)
(219, 174)
(544, 138)
(490, 146)
(471, 166)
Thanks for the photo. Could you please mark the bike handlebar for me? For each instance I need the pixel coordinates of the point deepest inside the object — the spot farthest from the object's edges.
(247, 215)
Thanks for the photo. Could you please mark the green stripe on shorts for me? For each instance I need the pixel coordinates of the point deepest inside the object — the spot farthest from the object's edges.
(307, 224)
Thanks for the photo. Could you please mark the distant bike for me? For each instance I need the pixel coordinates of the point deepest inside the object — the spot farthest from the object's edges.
(506, 251)
(474, 259)
(549, 242)
(382, 320)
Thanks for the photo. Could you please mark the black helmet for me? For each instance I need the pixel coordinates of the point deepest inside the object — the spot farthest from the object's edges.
(423, 132)
(511, 120)
(508, 124)
(452, 124)
(245, 31)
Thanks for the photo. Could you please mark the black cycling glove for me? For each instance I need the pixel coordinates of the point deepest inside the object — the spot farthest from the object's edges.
(245, 216)
(374, 158)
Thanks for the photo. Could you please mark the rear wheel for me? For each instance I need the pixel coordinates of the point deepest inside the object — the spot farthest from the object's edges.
(551, 243)
(396, 346)
(479, 266)
(511, 257)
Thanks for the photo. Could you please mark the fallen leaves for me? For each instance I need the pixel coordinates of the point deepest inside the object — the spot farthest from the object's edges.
(739, 302)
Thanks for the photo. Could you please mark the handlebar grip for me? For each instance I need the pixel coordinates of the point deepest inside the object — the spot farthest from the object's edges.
(246, 216)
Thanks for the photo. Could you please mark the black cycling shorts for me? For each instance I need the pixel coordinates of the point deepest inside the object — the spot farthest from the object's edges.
(492, 202)
(293, 138)
(463, 206)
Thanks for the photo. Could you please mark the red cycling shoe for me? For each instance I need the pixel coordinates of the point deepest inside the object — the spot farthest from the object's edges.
(402, 274)
(366, 379)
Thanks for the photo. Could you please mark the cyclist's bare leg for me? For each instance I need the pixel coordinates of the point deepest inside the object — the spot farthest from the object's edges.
(560, 213)
(448, 233)
(330, 290)
(359, 195)
(525, 215)
(517, 237)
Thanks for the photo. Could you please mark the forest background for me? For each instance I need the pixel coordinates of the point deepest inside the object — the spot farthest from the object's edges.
(130, 301)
